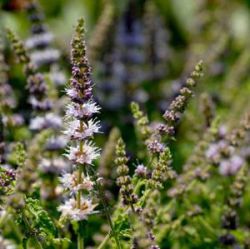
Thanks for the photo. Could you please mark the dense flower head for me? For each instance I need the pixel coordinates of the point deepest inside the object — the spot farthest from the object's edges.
(141, 171)
(81, 83)
(123, 179)
(162, 170)
(84, 156)
(82, 111)
(70, 182)
(80, 131)
(69, 209)
(155, 146)
(18, 47)
(179, 104)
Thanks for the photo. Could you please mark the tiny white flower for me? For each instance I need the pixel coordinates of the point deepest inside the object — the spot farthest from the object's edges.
(74, 131)
(155, 146)
(80, 111)
(69, 209)
(71, 92)
(70, 182)
(88, 154)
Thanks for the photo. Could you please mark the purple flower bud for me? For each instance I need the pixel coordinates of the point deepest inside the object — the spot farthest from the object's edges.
(141, 171)
(155, 146)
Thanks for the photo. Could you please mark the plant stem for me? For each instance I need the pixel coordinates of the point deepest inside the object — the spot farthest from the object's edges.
(104, 242)
(132, 208)
(112, 228)
(79, 179)
(80, 239)
(107, 213)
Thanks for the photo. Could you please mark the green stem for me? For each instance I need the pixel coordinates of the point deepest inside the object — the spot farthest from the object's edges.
(79, 179)
(80, 239)
(104, 242)
(107, 213)
(132, 208)
(38, 243)
(114, 232)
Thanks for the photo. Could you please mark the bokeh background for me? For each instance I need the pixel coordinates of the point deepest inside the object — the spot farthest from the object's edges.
(147, 53)
(143, 50)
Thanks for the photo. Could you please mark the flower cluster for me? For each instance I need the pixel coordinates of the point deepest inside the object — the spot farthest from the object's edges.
(178, 105)
(230, 217)
(162, 170)
(80, 129)
(142, 121)
(173, 113)
(43, 55)
(7, 100)
(40, 41)
(124, 180)
(7, 177)
(36, 84)
(176, 182)
(224, 153)
(196, 166)
(41, 119)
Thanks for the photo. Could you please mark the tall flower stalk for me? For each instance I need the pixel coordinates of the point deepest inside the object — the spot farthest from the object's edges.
(40, 44)
(80, 129)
